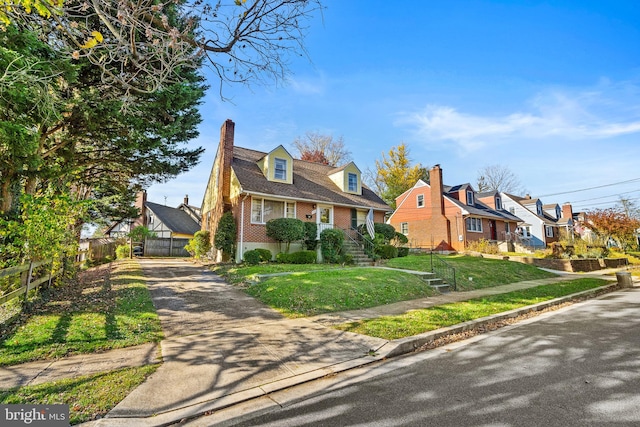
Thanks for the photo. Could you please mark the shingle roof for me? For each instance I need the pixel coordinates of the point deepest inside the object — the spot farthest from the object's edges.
(310, 182)
(175, 219)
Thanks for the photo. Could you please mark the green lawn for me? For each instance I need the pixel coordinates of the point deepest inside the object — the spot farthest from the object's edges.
(308, 293)
(92, 314)
(484, 272)
(88, 396)
(419, 321)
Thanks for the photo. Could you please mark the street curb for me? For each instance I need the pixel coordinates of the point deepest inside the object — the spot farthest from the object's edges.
(407, 345)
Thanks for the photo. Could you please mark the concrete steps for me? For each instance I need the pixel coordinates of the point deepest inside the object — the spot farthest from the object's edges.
(360, 258)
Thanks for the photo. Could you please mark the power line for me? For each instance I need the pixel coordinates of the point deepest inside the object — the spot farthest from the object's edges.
(590, 188)
(604, 197)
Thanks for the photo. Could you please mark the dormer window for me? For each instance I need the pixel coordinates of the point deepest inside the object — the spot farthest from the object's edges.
(353, 182)
(558, 212)
(470, 200)
(498, 203)
(280, 171)
(539, 208)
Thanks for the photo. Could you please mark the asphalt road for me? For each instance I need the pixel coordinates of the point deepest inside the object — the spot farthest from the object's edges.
(578, 366)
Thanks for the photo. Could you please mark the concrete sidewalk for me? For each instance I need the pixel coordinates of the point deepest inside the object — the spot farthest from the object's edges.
(223, 347)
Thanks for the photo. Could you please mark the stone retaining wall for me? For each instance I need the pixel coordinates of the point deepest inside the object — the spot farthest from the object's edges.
(571, 265)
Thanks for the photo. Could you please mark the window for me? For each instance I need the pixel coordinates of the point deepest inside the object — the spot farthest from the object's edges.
(263, 210)
(498, 203)
(507, 227)
(512, 210)
(548, 231)
(353, 182)
(539, 208)
(474, 224)
(558, 212)
(470, 198)
(404, 227)
(280, 171)
(420, 200)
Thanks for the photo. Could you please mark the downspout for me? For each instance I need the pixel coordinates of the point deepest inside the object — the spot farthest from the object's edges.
(239, 250)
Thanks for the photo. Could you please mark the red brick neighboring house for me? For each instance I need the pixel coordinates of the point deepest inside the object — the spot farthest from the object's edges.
(447, 218)
(257, 186)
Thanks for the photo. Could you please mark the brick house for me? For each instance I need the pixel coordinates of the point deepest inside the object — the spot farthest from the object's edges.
(447, 218)
(257, 186)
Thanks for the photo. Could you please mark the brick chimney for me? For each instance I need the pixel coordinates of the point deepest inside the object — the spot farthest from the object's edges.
(567, 211)
(437, 189)
(141, 202)
(226, 149)
(440, 228)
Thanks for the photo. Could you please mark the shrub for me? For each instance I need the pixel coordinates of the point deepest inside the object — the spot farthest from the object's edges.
(286, 230)
(265, 254)
(225, 237)
(387, 231)
(311, 235)
(122, 251)
(252, 257)
(483, 246)
(331, 241)
(403, 251)
(199, 245)
(387, 251)
(301, 257)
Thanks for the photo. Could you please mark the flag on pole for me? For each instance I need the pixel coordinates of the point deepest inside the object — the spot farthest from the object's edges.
(370, 228)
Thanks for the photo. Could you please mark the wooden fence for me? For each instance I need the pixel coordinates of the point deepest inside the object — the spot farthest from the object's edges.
(32, 276)
(166, 247)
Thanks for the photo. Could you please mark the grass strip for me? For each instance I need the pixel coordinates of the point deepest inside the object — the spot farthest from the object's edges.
(108, 307)
(419, 321)
(89, 397)
(314, 292)
(484, 272)
(236, 274)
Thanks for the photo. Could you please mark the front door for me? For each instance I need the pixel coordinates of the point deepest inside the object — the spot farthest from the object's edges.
(492, 228)
(325, 218)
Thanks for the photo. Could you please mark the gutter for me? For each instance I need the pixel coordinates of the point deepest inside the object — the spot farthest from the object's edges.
(239, 249)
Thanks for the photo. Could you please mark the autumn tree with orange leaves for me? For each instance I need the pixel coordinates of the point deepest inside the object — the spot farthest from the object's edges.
(614, 223)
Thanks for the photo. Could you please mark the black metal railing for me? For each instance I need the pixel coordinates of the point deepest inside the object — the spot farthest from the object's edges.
(443, 271)
(356, 237)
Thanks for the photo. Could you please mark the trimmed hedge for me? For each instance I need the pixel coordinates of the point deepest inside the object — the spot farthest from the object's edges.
(302, 257)
(387, 251)
(331, 241)
(265, 254)
(252, 257)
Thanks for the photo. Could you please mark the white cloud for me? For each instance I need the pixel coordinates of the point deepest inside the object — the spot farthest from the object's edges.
(600, 113)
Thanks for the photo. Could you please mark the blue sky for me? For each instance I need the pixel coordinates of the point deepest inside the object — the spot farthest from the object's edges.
(550, 90)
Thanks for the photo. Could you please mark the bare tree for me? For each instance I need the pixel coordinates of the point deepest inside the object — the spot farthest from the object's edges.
(499, 178)
(315, 147)
(139, 45)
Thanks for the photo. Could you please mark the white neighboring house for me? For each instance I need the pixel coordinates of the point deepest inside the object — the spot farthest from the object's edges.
(542, 223)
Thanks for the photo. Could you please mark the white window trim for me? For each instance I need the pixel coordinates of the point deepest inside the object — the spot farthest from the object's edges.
(548, 231)
(404, 228)
(498, 203)
(275, 169)
(472, 222)
(349, 175)
(418, 202)
(470, 199)
(262, 200)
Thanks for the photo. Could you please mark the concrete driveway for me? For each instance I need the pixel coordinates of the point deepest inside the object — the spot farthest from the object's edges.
(223, 346)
